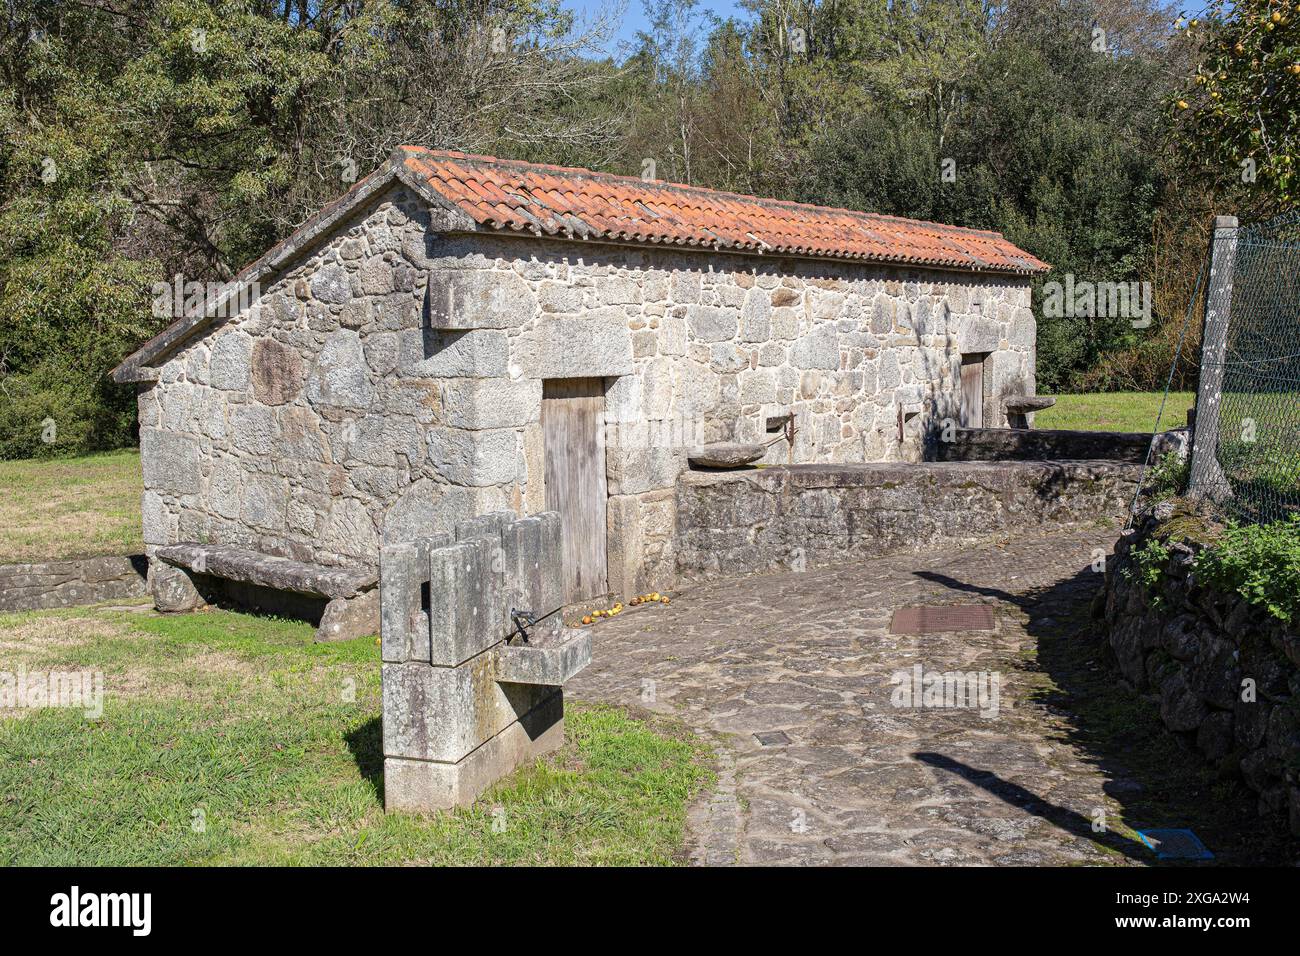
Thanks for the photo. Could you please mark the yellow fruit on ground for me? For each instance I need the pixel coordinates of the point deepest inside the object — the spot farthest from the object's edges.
(655, 596)
(1276, 17)
(587, 619)
(1182, 104)
(663, 600)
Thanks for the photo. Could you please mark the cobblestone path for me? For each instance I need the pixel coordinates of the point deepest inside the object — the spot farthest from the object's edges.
(790, 677)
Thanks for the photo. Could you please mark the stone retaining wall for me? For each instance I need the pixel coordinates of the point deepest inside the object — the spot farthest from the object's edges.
(1226, 674)
(1041, 444)
(806, 515)
(28, 587)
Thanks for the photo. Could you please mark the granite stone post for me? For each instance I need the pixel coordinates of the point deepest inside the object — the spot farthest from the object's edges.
(1206, 479)
(474, 657)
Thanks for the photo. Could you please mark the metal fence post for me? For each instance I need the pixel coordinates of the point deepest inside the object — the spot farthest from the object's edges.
(1206, 479)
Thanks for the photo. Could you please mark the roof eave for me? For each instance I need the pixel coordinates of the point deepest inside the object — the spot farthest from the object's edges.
(1028, 271)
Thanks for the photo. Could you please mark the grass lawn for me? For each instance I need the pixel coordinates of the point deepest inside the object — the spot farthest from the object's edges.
(228, 738)
(70, 507)
(1116, 411)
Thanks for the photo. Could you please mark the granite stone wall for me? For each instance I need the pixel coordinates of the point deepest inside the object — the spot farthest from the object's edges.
(785, 518)
(389, 384)
(1225, 672)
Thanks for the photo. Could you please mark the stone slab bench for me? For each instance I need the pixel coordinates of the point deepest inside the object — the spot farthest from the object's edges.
(351, 592)
(1020, 407)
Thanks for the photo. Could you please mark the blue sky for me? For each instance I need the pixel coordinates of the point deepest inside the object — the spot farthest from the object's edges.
(634, 18)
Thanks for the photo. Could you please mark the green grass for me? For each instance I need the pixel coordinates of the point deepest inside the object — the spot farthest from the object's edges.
(1116, 411)
(272, 743)
(70, 507)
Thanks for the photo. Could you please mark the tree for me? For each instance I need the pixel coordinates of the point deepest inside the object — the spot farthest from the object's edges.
(1239, 110)
(151, 138)
(1045, 138)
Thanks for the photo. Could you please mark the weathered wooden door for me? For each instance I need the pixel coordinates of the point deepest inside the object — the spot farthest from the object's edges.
(972, 391)
(573, 426)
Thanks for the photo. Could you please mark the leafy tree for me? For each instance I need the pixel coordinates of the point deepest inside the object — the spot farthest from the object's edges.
(1047, 139)
(149, 138)
(1240, 107)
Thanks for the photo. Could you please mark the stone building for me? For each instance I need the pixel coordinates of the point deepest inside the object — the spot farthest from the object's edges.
(459, 334)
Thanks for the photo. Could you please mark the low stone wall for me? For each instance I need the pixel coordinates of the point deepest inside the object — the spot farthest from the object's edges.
(29, 587)
(1044, 444)
(768, 519)
(1226, 674)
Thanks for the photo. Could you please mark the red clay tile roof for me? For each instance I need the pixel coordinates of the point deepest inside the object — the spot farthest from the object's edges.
(581, 204)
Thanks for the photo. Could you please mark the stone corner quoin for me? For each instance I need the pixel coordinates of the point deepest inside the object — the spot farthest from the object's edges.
(389, 381)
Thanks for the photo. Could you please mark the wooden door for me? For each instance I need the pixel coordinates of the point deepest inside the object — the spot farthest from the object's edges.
(972, 391)
(573, 428)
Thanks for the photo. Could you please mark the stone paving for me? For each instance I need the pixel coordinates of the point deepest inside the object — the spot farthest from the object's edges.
(849, 778)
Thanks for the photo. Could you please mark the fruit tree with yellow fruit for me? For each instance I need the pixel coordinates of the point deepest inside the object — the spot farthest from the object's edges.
(1240, 109)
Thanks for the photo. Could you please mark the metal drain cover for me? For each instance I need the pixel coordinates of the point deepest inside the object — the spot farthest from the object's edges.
(934, 619)
(772, 738)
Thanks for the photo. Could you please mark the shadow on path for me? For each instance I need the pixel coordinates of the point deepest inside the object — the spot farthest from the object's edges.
(1016, 795)
(1155, 776)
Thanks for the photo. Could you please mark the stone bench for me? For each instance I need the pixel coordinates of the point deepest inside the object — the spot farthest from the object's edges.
(351, 593)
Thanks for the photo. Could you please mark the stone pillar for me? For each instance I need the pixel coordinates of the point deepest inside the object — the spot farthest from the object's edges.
(1207, 479)
(465, 698)
(172, 588)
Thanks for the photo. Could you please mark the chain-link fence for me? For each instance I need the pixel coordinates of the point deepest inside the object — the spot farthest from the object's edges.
(1251, 364)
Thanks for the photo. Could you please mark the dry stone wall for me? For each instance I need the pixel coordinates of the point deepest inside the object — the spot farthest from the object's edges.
(1225, 672)
(795, 518)
(390, 383)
